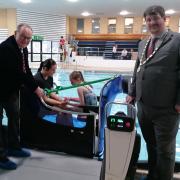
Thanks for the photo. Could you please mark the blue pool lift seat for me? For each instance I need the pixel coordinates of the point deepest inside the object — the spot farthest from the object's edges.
(51, 128)
(108, 94)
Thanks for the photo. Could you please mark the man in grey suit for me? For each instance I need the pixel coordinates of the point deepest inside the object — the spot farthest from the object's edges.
(156, 88)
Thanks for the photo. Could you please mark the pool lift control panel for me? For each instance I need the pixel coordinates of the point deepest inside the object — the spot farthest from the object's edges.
(117, 123)
(119, 142)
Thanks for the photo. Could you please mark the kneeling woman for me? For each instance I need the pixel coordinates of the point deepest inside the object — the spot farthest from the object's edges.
(44, 78)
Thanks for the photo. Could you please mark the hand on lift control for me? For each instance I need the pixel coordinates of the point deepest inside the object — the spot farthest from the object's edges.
(130, 99)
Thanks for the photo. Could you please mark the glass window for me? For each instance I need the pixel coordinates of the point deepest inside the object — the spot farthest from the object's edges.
(55, 47)
(144, 27)
(128, 28)
(36, 50)
(36, 46)
(112, 25)
(29, 47)
(80, 25)
(96, 25)
(46, 46)
(167, 22)
(29, 57)
(36, 57)
(46, 56)
(56, 57)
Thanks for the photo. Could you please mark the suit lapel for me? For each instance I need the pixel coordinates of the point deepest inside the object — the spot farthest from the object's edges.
(163, 40)
(166, 39)
(17, 52)
(143, 50)
(16, 48)
(160, 43)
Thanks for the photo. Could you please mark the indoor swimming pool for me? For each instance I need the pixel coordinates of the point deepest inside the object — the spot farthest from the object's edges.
(61, 78)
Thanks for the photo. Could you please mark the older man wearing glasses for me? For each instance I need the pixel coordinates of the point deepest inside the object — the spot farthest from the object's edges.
(14, 72)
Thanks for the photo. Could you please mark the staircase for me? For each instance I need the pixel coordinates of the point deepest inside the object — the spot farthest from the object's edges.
(108, 49)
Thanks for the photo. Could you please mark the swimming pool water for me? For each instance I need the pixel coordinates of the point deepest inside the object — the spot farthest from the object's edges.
(62, 78)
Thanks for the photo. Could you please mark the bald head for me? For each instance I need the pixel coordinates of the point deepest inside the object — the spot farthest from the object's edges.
(23, 35)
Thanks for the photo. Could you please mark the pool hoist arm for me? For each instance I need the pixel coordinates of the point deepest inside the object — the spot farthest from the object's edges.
(60, 88)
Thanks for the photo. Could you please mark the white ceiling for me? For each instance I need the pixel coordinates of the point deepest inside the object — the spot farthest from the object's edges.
(96, 7)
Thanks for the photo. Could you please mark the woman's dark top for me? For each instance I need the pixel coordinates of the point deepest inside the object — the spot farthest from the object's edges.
(43, 83)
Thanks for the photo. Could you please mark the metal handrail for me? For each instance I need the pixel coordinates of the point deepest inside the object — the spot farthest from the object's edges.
(98, 52)
(55, 108)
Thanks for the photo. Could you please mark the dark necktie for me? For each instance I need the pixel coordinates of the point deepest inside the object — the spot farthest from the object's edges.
(151, 46)
(23, 61)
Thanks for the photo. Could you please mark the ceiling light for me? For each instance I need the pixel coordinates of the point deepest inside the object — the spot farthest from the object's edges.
(72, 0)
(170, 11)
(85, 13)
(25, 1)
(124, 12)
(96, 27)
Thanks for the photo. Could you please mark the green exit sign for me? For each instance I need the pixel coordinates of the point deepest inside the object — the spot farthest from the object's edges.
(37, 38)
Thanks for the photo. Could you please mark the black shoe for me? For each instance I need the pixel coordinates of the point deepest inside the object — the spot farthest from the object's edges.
(19, 153)
(143, 178)
(100, 158)
(147, 178)
(7, 164)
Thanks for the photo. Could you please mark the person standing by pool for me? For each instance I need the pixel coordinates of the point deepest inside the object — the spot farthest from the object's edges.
(156, 87)
(114, 51)
(62, 49)
(61, 42)
(14, 72)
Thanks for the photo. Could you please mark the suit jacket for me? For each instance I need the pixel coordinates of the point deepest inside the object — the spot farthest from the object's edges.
(158, 81)
(11, 69)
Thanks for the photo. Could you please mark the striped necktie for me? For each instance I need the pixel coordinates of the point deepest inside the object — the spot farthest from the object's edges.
(23, 61)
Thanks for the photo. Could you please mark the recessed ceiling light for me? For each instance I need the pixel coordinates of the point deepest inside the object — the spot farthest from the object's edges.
(72, 0)
(124, 12)
(170, 11)
(79, 30)
(85, 13)
(96, 27)
(25, 1)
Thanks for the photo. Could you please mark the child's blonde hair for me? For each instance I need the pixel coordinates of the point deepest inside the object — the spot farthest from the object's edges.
(77, 75)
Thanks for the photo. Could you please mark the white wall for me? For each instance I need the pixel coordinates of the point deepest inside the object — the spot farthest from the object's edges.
(105, 64)
(51, 27)
(3, 34)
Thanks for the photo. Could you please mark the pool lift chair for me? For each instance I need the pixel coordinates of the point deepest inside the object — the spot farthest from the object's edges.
(55, 129)
(120, 135)
(50, 128)
(109, 92)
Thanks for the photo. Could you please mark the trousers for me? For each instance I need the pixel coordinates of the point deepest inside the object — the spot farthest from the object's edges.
(159, 127)
(9, 135)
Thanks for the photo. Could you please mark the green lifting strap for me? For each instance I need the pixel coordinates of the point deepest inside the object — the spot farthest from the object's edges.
(60, 88)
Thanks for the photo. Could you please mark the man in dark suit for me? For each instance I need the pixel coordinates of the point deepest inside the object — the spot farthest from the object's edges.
(156, 88)
(14, 71)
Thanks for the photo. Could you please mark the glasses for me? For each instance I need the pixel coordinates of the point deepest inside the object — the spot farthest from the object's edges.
(154, 18)
(25, 37)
